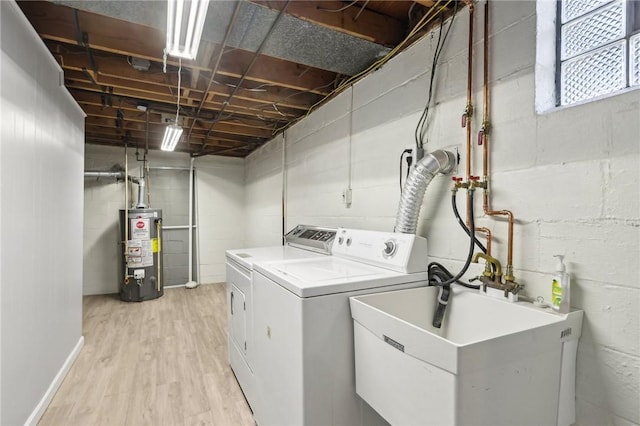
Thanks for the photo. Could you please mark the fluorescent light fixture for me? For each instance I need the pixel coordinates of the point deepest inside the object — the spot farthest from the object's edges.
(185, 22)
(171, 137)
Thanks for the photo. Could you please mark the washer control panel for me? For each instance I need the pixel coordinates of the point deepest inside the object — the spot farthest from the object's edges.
(390, 247)
(390, 250)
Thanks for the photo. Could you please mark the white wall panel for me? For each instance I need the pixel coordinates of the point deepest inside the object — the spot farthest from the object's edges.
(41, 228)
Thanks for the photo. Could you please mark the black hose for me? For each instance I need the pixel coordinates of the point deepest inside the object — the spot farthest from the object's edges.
(443, 301)
(438, 271)
(472, 244)
(406, 151)
(462, 224)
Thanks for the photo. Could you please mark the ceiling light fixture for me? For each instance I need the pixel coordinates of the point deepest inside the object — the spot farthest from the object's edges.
(173, 132)
(171, 137)
(185, 22)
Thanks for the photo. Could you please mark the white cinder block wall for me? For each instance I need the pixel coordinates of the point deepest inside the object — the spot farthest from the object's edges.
(263, 196)
(570, 176)
(219, 191)
(220, 197)
(41, 153)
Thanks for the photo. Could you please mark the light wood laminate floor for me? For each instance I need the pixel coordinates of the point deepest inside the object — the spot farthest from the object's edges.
(159, 362)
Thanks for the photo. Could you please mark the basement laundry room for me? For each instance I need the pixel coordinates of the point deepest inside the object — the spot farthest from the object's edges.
(320, 212)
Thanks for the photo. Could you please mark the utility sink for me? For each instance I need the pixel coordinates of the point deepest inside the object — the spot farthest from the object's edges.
(492, 362)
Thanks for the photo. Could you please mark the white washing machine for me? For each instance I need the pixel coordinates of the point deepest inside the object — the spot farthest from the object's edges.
(302, 242)
(304, 357)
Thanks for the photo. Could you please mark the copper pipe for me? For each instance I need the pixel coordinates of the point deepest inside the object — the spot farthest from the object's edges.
(488, 236)
(485, 150)
(469, 108)
(468, 112)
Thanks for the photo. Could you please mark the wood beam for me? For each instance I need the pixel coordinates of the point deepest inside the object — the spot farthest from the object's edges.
(426, 3)
(155, 119)
(54, 22)
(221, 127)
(365, 24)
(155, 80)
(259, 111)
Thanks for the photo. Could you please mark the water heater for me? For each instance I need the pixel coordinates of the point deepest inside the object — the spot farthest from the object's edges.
(140, 265)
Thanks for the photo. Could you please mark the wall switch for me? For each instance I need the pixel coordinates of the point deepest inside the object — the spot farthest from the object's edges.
(346, 197)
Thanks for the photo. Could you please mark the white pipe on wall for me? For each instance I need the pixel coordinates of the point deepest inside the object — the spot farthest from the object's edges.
(197, 224)
(191, 283)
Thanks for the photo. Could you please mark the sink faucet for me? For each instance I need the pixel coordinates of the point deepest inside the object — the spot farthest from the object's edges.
(492, 276)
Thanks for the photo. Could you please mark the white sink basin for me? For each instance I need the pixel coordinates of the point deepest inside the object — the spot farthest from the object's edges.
(492, 362)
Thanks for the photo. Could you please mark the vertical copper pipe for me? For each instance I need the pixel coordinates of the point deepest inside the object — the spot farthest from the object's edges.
(469, 107)
(485, 149)
(488, 237)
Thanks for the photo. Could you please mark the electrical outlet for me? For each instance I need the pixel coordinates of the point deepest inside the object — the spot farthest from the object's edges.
(409, 155)
(346, 197)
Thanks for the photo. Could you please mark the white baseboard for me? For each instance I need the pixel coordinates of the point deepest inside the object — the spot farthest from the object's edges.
(37, 413)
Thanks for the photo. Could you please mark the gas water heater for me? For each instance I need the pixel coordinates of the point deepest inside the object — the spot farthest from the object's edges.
(140, 266)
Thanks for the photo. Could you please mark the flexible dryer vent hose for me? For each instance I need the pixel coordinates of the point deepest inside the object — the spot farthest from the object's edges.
(423, 172)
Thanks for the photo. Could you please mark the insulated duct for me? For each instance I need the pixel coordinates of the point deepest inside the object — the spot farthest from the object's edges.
(423, 172)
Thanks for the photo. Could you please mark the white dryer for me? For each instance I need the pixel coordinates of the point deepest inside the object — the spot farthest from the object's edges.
(304, 357)
(302, 242)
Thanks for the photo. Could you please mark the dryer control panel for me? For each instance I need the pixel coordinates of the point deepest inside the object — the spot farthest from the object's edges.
(314, 238)
(391, 250)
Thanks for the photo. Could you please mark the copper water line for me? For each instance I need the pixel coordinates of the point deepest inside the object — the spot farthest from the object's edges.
(468, 112)
(484, 139)
(488, 237)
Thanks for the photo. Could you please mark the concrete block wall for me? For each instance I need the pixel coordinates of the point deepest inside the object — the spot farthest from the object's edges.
(221, 218)
(263, 196)
(570, 175)
(169, 190)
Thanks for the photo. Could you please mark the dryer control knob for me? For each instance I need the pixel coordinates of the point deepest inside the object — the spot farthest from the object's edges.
(340, 240)
(390, 247)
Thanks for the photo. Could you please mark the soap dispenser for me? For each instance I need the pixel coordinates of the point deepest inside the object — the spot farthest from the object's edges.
(560, 292)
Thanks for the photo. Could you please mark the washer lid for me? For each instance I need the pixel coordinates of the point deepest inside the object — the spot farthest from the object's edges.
(247, 257)
(329, 275)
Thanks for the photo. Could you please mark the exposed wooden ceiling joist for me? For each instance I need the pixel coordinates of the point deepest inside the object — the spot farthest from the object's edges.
(230, 111)
(357, 21)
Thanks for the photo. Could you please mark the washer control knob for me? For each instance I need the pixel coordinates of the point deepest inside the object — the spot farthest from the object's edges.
(349, 241)
(340, 240)
(390, 247)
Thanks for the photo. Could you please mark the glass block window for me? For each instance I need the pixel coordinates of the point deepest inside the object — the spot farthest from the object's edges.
(598, 48)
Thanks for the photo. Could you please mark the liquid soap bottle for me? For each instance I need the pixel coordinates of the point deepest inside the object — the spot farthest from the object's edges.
(560, 291)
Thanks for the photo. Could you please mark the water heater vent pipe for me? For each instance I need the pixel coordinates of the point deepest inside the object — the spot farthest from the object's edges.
(140, 181)
(423, 172)
(115, 175)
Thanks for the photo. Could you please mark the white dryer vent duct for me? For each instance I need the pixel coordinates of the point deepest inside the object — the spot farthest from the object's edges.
(421, 174)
